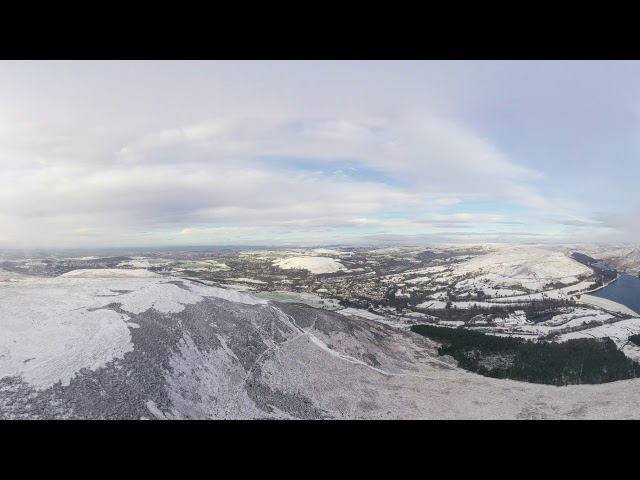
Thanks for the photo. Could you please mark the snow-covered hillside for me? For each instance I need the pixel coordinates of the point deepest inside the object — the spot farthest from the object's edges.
(622, 257)
(531, 267)
(52, 328)
(312, 264)
(153, 347)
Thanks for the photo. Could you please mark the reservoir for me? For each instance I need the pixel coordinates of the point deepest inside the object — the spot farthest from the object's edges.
(625, 290)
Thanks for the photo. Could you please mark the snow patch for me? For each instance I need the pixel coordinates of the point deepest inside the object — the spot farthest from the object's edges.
(109, 273)
(358, 312)
(246, 280)
(437, 304)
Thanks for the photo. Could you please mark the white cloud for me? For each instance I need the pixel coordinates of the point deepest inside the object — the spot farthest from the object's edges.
(188, 162)
(220, 172)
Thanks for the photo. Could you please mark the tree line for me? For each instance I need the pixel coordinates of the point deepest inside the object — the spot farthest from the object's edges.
(576, 361)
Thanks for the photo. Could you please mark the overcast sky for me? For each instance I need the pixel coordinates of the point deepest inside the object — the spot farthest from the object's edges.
(141, 153)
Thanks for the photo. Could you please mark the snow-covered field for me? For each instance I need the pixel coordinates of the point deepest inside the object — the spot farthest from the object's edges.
(312, 264)
(557, 293)
(618, 332)
(451, 323)
(576, 316)
(484, 284)
(427, 270)
(435, 304)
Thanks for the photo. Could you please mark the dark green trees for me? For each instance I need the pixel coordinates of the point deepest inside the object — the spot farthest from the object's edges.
(583, 360)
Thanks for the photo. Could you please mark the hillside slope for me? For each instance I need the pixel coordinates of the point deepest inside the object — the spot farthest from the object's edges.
(110, 347)
(532, 267)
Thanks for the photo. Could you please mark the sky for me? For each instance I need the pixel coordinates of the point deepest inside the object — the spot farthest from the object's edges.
(155, 153)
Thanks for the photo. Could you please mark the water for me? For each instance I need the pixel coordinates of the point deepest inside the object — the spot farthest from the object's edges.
(625, 290)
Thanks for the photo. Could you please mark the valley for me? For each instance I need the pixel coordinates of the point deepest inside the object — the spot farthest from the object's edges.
(264, 333)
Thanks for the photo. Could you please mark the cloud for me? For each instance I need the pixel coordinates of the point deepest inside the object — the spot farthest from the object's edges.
(213, 158)
(573, 222)
(458, 237)
(226, 172)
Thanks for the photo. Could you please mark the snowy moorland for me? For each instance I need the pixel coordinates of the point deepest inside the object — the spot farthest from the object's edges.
(301, 333)
(112, 346)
